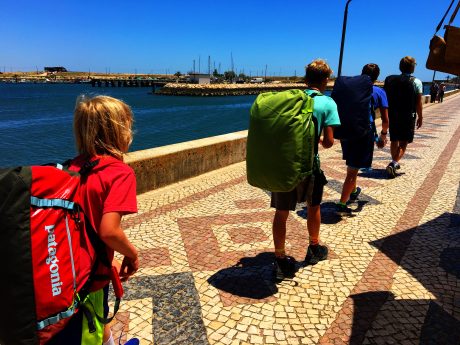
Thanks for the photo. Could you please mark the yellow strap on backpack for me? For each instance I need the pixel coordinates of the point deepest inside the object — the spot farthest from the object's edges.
(94, 302)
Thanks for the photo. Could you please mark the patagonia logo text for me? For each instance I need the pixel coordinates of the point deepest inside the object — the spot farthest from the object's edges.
(52, 261)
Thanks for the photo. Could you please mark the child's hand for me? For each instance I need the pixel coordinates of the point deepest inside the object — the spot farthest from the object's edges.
(116, 264)
(128, 267)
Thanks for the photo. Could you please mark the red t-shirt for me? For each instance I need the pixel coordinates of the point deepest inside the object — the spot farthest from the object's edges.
(110, 187)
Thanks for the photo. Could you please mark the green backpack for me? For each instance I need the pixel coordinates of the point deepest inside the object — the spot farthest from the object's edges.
(282, 144)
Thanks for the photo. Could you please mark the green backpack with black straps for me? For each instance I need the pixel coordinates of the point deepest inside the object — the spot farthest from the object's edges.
(282, 144)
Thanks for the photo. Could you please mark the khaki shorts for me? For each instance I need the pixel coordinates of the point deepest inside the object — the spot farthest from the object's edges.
(309, 190)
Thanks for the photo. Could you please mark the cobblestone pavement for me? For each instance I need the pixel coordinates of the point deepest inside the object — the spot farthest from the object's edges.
(392, 277)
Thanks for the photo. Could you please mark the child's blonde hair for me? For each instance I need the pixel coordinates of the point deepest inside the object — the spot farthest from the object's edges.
(317, 71)
(102, 126)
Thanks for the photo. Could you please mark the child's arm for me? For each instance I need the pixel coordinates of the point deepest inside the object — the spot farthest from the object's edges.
(328, 138)
(113, 236)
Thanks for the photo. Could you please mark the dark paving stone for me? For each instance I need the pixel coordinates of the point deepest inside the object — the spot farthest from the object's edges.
(418, 136)
(455, 216)
(366, 307)
(450, 261)
(406, 156)
(439, 328)
(176, 307)
(433, 125)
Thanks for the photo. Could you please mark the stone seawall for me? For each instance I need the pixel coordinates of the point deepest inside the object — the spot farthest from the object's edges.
(165, 165)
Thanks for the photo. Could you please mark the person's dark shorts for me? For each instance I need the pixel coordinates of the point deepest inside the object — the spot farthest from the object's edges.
(402, 129)
(358, 153)
(309, 190)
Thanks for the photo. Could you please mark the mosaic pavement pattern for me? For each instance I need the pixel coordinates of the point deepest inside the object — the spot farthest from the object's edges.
(393, 275)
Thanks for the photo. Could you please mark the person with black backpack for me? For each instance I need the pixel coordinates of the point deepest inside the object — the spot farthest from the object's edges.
(357, 98)
(404, 94)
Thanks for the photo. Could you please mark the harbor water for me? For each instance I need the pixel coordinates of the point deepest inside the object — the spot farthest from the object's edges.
(36, 119)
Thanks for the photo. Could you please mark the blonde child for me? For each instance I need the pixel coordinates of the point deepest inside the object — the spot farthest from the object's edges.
(103, 133)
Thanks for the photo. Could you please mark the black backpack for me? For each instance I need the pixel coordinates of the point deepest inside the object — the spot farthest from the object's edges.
(402, 97)
(353, 96)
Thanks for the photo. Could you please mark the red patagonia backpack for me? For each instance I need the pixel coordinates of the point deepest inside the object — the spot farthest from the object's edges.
(45, 242)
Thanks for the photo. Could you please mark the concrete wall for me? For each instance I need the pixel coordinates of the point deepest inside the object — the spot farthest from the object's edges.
(165, 165)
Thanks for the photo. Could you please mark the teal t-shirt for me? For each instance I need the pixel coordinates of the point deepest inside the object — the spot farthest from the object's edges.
(324, 110)
(418, 85)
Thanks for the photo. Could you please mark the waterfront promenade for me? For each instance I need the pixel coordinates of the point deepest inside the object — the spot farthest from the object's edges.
(392, 277)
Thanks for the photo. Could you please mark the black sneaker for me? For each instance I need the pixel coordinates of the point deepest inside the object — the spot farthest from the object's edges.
(315, 253)
(354, 195)
(284, 268)
(391, 170)
(397, 166)
(343, 210)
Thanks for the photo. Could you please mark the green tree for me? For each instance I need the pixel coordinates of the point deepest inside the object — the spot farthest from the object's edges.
(229, 75)
(216, 74)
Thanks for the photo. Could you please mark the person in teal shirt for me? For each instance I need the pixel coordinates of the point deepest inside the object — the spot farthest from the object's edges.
(311, 189)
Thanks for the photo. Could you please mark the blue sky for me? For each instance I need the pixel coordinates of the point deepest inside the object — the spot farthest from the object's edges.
(142, 36)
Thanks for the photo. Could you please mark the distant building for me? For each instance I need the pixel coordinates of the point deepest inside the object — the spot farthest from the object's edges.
(55, 69)
(198, 78)
(257, 80)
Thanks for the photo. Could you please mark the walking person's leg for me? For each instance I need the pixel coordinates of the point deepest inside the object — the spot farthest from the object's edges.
(357, 154)
(349, 192)
(283, 202)
(313, 224)
(279, 232)
(315, 251)
(349, 185)
(398, 149)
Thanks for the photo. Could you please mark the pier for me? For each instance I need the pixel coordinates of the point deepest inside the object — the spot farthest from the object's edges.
(128, 82)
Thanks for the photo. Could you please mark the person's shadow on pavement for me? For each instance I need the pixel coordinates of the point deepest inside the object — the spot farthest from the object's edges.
(329, 213)
(251, 277)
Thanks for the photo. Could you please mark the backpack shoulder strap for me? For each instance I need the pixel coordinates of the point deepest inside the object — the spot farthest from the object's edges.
(311, 105)
(87, 167)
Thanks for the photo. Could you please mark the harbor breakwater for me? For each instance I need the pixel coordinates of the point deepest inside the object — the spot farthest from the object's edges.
(169, 164)
(203, 90)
